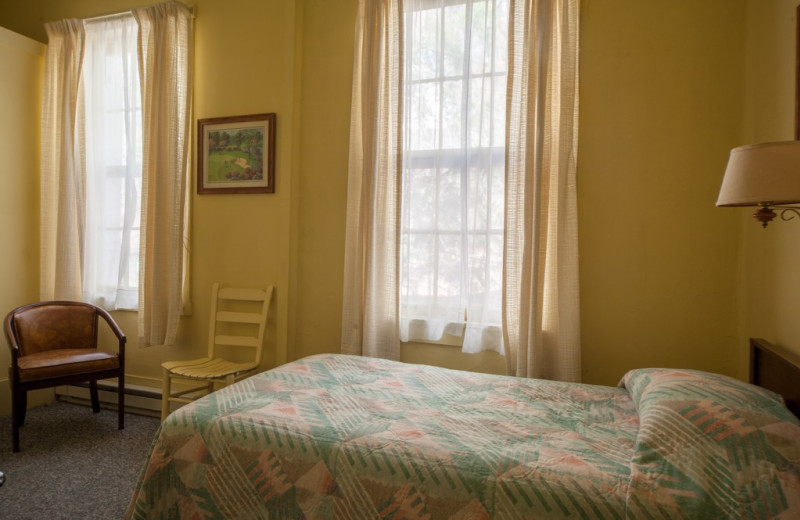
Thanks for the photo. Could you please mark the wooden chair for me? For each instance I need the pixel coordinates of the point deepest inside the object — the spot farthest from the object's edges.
(238, 319)
(55, 343)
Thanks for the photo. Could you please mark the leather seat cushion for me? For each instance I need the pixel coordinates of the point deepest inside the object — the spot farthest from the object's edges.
(64, 362)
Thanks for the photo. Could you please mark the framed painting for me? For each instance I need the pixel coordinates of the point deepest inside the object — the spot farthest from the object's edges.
(236, 154)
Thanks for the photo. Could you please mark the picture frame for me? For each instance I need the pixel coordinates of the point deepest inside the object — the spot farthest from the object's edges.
(236, 154)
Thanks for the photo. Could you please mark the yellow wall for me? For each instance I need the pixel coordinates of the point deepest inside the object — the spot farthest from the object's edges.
(770, 275)
(661, 91)
(321, 187)
(245, 63)
(660, 108)
(321, 182)
(662, 102)
(22, 61)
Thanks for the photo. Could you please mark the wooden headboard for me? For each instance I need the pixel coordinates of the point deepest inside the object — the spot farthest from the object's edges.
(776, 369)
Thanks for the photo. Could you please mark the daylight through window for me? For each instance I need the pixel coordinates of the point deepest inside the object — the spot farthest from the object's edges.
(113, 122)
(453, 176)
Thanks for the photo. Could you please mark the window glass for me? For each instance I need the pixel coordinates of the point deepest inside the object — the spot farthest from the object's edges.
(113, 145)
(453, 178)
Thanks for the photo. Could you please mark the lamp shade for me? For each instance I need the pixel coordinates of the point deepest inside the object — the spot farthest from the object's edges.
(762, 174)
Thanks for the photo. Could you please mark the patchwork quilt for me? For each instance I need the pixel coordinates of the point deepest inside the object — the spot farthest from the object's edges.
(337, 436)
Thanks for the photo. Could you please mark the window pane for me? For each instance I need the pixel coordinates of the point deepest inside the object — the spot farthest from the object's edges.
(454, 37)
(480, 112)
(421, 250)
(449, 203)
(424, 28)
(477, 207)
(420, 197)
(480, 40)
(450, 261)
(477, 265)
(451, 114)
(422, 116)
(111, 195)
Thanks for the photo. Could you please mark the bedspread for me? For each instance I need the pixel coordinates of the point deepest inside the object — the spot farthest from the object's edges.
(336, 436)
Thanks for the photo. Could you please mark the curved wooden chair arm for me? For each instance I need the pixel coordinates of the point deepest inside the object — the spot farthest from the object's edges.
(121, 338)
(11, 338)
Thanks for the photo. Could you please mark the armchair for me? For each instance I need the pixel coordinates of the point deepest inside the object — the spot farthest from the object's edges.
(55, 343)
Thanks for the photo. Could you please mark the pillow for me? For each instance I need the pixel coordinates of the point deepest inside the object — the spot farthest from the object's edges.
(659, 384)
(710, 446)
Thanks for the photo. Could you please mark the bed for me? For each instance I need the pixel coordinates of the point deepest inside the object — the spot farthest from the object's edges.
(336, 436)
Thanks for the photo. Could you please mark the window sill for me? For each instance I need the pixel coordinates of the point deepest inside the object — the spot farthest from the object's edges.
(454, 335)
(448, 340)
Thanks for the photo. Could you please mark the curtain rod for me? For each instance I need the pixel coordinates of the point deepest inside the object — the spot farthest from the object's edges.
(115, 14)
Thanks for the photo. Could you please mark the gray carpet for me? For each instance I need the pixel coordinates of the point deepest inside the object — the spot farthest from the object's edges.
(73, 464)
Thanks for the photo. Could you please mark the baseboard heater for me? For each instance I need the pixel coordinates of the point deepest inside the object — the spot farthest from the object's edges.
(140, 400)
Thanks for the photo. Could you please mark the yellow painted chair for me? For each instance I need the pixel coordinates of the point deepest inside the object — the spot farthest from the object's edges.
(238, 320)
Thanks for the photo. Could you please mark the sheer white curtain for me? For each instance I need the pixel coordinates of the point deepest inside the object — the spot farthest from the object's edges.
(453, 171)
(540, 296)
(113, 154)
(166, 65)
(370, 303)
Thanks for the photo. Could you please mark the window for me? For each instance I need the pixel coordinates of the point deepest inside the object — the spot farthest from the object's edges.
(453, 174)
(447, 106)
(116, 127)
(113, 130)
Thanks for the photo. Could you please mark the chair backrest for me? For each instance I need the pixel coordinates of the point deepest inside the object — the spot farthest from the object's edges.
(43, 326)
(238, 319)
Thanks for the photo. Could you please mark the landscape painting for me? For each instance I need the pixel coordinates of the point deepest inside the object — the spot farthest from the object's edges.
(236, 154)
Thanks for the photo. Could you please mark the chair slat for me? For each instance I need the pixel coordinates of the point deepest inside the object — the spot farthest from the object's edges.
(214, 368)
(169, 365)
(232, 293)
(239, 317)
(237, 341)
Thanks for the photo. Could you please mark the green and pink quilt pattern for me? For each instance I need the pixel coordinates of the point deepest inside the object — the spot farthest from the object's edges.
(335, 436)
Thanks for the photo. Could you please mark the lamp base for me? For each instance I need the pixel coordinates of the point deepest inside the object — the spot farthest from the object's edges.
(764, 215)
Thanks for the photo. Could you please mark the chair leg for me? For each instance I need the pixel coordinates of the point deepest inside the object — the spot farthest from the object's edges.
(22, 407)
(95, 398)
(121, 402)
(18, 400)
(165, 394)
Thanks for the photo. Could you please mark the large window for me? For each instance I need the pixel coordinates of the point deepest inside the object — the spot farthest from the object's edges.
(112, 99)
(116, 127)
(453, 176)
